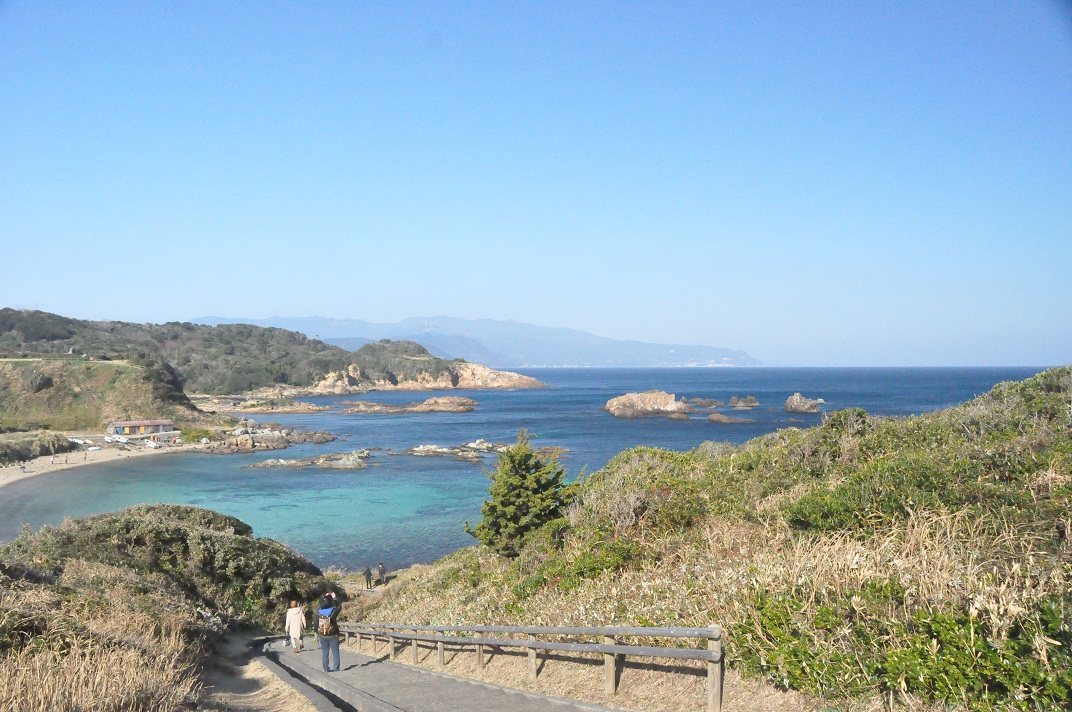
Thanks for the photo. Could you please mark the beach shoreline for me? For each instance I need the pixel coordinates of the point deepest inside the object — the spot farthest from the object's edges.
(80, 458)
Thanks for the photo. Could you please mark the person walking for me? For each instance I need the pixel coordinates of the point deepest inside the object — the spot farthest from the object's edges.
(382, 571)
(327, 630)
(295, 624)
(368, 577)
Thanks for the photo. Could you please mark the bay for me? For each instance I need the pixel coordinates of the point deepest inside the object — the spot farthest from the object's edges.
(405, 509)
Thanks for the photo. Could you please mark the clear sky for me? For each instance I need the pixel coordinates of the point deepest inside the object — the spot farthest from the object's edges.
(817, 183)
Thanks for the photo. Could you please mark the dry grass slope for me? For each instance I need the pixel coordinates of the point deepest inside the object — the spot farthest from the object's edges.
(116, 612)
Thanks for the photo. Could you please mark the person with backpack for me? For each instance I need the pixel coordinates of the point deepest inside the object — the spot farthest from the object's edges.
(327, 629)
(367, 573)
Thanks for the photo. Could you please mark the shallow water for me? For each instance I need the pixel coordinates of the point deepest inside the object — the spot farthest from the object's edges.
(404, 509)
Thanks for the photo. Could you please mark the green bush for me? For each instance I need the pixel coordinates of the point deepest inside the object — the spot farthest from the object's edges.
(196, 435)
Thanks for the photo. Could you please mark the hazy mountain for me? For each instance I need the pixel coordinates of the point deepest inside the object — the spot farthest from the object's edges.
(504, 344)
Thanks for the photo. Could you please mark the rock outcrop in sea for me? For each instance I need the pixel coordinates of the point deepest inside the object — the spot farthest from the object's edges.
(471, 452)
(331, 461)
(653, 402)
(746, 402)
(250, 439)
(723, 418)
(797, 403)
(438, 404)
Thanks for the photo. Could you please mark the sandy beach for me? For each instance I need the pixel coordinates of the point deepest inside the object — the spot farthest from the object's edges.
(79, 458)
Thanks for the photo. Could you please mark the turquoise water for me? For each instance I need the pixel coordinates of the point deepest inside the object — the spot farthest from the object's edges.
(405, 509)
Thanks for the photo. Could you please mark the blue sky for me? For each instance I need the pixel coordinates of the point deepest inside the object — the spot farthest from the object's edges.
(815, 183)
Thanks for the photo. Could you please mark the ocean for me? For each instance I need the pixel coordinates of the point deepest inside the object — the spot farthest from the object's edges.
(404, 509)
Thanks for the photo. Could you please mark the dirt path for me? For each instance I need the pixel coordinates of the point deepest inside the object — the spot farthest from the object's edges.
(237, 682)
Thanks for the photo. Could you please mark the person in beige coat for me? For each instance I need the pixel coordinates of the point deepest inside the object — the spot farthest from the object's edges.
(295, 625)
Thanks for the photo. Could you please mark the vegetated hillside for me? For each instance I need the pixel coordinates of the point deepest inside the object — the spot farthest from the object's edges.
(919, 559)
(231, 358)
(72, 394)
(116, 611)
(397, 361)
(225, 359)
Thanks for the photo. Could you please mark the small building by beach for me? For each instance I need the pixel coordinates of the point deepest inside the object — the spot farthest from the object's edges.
(140, 427)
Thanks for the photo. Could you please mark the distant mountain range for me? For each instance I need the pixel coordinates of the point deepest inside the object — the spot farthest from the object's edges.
(502, 344)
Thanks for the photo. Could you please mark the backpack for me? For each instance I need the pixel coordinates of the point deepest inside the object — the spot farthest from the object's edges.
(323, 625)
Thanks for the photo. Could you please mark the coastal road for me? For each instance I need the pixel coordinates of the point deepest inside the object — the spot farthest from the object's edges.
(373, 684)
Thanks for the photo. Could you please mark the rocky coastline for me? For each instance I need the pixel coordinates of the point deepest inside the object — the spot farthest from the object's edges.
(254, 437)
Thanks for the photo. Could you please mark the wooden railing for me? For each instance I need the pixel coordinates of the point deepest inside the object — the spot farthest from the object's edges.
(613, 652)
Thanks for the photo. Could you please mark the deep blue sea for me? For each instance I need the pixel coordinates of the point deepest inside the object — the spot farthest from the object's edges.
(404, 509)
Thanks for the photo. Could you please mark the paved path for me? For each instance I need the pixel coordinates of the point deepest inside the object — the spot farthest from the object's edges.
(373, 684)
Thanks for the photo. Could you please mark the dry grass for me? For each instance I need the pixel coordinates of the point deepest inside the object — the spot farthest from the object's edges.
(650, 685)
(152, 669)
(937, 558)
(96, 652)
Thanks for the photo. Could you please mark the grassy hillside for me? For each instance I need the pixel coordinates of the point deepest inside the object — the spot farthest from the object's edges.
(116, 611)
(917, 559)
(71, 394)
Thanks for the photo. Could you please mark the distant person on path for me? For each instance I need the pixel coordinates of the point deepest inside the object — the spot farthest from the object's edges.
(368, 577)
(327, 630)
(295, 624)
(51, 461)
(381, 570)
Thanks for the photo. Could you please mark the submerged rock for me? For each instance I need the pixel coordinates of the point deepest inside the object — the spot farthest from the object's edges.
(722, 418)
(706, 402)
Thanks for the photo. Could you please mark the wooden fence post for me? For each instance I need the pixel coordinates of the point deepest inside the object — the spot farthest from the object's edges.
(442, 657)
(480, 657)
(714, 676)
(610, 669)
(533, 667)
(413, 650)
(391, 642)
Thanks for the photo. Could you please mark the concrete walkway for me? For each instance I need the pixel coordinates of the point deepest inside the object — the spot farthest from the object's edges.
(373, 684)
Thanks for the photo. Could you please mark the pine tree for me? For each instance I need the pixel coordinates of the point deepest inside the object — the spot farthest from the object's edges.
(525, 493)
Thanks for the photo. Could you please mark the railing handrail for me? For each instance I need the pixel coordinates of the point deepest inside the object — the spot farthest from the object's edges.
(612, 651)
(713, 632)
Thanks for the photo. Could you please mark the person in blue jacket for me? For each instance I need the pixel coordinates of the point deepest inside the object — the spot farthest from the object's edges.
(327, 629)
